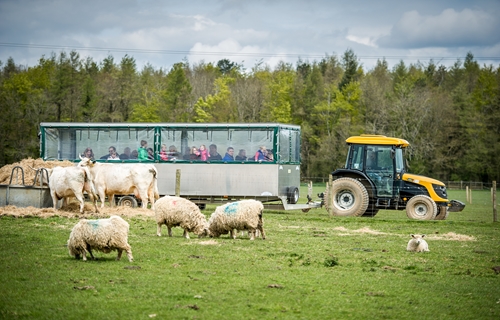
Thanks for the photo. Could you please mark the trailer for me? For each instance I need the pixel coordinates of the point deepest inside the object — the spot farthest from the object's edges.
(264, 163)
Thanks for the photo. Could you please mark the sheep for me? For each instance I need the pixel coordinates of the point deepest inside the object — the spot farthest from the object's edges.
(240, 215)
(103, 235)
(417, 243)
(176, 211)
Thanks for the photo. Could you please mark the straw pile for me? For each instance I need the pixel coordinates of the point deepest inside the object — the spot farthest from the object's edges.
(29, 174)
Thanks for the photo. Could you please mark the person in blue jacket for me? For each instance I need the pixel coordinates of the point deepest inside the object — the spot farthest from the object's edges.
(229, 155)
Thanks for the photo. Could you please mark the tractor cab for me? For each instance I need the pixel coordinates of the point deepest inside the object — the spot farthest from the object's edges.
(381, 163)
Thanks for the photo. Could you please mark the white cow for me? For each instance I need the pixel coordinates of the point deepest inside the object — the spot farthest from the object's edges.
(65, 182)
(110, 179)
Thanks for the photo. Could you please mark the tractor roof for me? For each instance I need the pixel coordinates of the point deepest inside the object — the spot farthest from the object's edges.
(377, 139)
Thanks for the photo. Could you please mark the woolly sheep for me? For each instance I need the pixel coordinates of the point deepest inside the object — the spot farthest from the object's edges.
(176, 211)
(417, 243)
(240, 215)
(103, 235)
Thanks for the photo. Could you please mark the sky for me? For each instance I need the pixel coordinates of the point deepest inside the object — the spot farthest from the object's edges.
(250, 33)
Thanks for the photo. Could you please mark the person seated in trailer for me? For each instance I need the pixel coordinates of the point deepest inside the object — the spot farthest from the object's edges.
(126, 154)
(143, 150)
(260, 155)
(113, 155)
(163, 152)
(241, 156)
(134, 155)
(173, 153)
(194, 154)
(229, 155)
(203, 153)
(151, 154)
(213, 154)
(88, 153)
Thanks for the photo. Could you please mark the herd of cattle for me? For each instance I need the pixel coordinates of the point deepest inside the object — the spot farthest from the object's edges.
(101, 180)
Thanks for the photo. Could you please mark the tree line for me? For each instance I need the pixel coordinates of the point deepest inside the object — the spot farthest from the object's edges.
(450, 115)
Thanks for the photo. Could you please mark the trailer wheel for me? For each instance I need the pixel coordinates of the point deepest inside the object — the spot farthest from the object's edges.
(442, 214)
(128, 201)
(292, 195)
(421, 207)
(348, 197)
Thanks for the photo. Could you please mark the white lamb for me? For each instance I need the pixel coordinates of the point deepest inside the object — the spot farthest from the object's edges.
(240, 215)
(176, 211)
(103, 235)
(417, 243)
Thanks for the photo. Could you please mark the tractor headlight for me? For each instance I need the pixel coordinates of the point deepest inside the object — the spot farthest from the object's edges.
(440, 191)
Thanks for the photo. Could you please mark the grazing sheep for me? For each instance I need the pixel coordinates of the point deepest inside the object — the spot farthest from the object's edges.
(103, 235)
(240, 215)
(417, 243)
(176, 211)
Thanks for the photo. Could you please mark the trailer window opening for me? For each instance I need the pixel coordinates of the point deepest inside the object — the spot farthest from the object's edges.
(68, 141)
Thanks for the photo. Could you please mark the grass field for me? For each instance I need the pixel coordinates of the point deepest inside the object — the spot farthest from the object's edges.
(311, 266)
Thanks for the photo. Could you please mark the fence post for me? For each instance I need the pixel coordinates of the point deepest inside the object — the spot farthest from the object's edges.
(467, 193)
(495, 217)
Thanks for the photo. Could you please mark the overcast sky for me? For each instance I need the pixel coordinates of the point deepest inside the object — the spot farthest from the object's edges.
(248, 32)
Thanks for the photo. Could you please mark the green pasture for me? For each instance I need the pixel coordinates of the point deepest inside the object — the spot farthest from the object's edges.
(311, 266)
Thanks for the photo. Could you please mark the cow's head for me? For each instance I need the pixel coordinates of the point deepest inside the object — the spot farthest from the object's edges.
(86, 162)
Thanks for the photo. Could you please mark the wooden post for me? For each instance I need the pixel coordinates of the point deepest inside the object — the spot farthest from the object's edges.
(467, 193)
(309, 189)
(495, 217)
(328, 196)
(178, 182)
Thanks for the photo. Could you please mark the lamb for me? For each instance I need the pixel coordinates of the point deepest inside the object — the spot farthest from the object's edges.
(240, 215)
(103, 235)
(176, 211)
(417, 243)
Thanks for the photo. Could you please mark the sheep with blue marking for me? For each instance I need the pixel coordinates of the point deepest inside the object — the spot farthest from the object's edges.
(240, 215)
(179, 212)
(103, 235)
(417, 244)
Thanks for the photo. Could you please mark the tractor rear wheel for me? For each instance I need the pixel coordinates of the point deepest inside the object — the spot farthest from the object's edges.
(348, 197)
(421, 207)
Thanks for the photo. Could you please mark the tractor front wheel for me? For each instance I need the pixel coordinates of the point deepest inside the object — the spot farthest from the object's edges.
(421, 207)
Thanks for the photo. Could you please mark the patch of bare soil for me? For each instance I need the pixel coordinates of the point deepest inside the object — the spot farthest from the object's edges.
(29, 174)
(364, 230)
(208, 243)
(451, 236)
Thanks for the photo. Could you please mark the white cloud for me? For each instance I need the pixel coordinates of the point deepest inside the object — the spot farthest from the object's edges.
(448, 29)
(367, 41)
(226, 49)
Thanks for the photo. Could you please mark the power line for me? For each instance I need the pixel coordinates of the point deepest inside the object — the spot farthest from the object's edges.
(236, 54)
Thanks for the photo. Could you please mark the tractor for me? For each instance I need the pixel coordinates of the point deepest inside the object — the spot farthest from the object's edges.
(374, 177)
